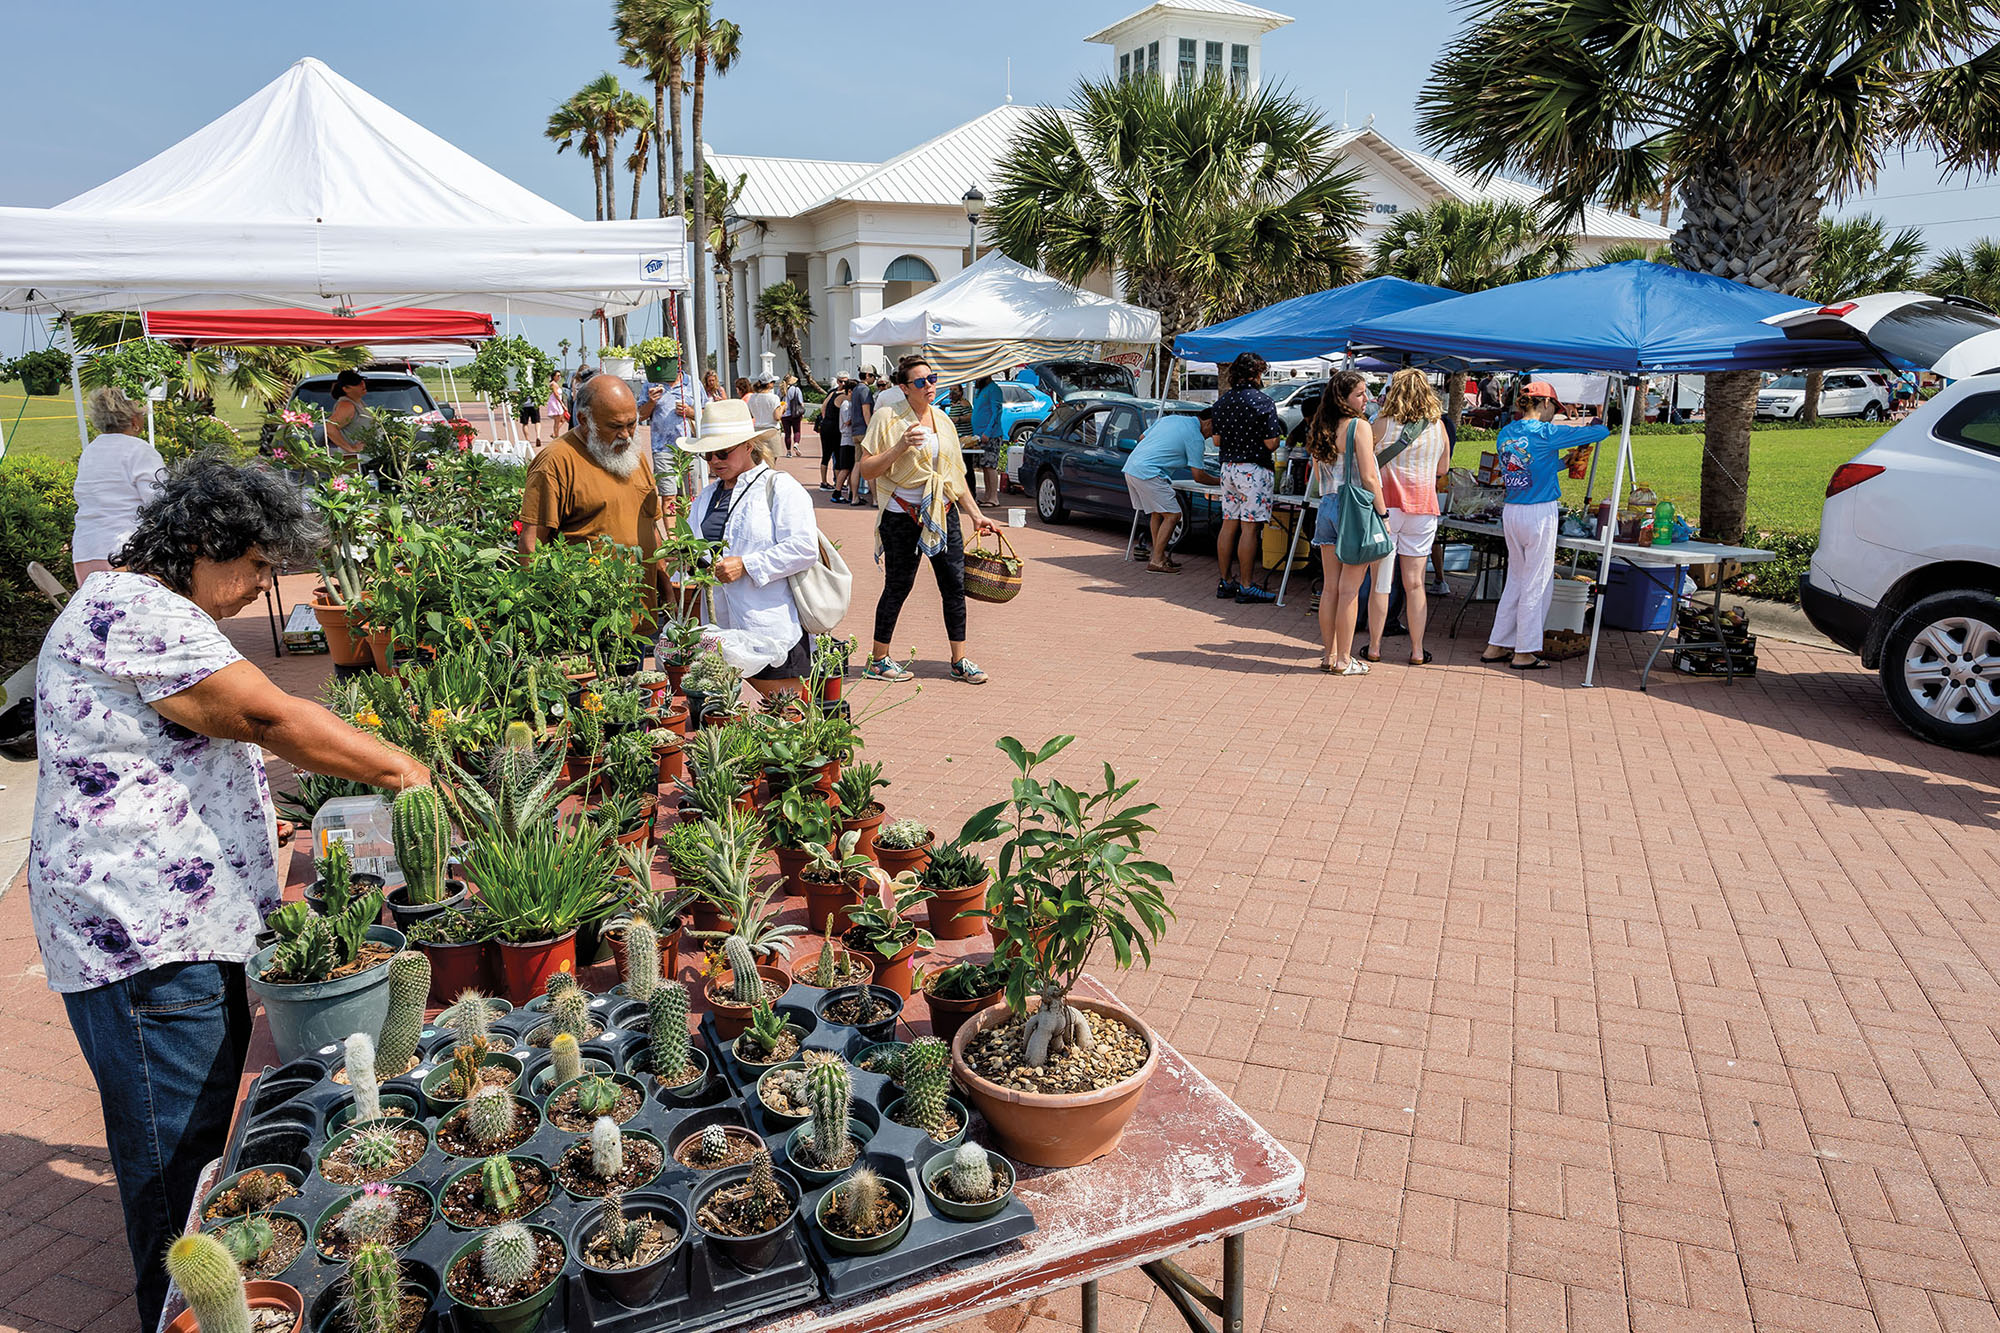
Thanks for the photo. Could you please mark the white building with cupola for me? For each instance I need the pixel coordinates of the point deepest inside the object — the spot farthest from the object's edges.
(862, 236)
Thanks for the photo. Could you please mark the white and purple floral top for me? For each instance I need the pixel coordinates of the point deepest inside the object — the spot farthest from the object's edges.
(152, 844)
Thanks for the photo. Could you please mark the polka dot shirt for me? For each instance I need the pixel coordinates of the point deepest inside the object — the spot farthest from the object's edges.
(1244, 419)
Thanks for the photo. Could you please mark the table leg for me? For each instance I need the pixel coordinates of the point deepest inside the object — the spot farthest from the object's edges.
(1090, 1307)
(1232, 1283)
(1132, 537)
(1191, 1295)
(1291, 549)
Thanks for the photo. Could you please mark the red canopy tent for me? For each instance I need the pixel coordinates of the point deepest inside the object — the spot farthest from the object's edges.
(312, 328)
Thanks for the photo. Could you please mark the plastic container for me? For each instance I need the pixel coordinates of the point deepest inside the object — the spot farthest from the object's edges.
(1638, 599)
(1567, 605)
(362, 822)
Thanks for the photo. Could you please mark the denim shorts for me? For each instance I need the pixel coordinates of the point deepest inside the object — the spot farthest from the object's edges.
(1326, 527)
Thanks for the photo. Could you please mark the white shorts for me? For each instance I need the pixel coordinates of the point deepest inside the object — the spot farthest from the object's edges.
(1153, 495)
(1412, 533)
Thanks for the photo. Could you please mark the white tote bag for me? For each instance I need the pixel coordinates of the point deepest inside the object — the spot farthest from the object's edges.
(822, 593)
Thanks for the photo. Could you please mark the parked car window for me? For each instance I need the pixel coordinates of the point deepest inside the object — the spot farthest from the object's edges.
(1062, 421)
(1845, 382)
(1122, 428)
(1787, 382)
(1974, 422)
(1089, 428)
(1017, 394)
(384, 395)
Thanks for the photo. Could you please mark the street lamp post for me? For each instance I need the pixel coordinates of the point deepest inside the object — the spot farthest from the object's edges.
(975, 204)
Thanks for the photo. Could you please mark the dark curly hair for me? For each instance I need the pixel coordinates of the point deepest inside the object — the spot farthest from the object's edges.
(1323, 440)
(211, 510)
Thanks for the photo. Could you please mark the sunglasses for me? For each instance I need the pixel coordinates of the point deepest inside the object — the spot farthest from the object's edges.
(920, 381)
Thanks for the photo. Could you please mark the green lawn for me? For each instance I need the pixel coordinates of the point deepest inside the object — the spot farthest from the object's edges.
(1788, 470)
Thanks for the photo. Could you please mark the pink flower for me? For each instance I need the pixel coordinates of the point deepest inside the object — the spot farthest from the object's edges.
(296, 419)
(339, 484)
(280, 455)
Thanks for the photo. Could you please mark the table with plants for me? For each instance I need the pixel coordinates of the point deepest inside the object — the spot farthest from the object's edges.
(659, 1017)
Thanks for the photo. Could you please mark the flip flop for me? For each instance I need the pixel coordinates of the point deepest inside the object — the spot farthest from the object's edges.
(1539, 664)
(1428, 658)
(1491, 661)
(1163, 569)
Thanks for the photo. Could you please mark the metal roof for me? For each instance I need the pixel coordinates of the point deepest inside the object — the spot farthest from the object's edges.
(1214, 8)
(783, 187)
(937, 172)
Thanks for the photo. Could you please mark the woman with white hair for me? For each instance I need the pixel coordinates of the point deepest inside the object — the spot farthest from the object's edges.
(117, 473)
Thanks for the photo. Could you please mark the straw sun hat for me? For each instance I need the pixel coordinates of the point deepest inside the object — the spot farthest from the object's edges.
(725, 424)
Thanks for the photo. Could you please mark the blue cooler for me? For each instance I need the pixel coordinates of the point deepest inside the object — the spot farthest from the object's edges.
(1639, 599)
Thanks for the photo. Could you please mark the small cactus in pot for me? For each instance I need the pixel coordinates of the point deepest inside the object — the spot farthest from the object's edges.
(360, 1067)
(642, 959)
(403, 1026)
(491, 1116)
(926, 1083)
(499, 1186)
(565, 1059)
(832, 1097)
(374, 1293)
(607, 1149)
(667, 1022)
(202, 1267)
(747, 987)
(971, 1174)
(508, 1255)
(714, 1145)
(421, 831)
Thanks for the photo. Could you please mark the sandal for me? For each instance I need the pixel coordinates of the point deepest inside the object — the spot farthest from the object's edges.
(1163, 569)
(1504, 657)
(1326, 665)
(1355, 667)
(1373, 657)
(1428, 658)
(1539, 664)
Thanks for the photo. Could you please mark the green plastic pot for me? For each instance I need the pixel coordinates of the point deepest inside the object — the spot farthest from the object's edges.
(888, 1240)
(523, 1314)
(965, 1212)
(812, 1175)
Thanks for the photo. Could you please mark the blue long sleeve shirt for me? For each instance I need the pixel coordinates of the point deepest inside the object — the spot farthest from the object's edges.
(986, 412)
(1529, 467)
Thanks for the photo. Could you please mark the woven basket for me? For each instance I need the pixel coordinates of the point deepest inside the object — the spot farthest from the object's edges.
(993, 576)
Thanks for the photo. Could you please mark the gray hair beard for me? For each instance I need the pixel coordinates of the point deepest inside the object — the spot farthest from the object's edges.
(620, 463)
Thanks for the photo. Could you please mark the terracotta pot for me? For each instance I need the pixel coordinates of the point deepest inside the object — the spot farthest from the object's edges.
(675, 718)
(948, 1016)
(944, 909)
(1054, 1129)
(670, 947)
(730, 1018)
(379, 645)
(829, 900)
(641, 834)
(455, 968)
(675, 674)
(866, 828)
(525, 969)
(892, 972)
(706, 916)
(656, 695)
(342, 647)
(792, 862)
(859, 967)
(829, 689)
(673, 763)
(829, 773)
(895, 860)
(262, 1295)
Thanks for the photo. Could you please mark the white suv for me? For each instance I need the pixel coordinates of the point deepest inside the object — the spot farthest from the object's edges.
(1907, 573)
(1843, 393)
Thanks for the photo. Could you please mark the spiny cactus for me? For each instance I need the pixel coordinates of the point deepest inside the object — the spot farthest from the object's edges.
(373, 1150)
(831, 1093)
(619, 1232)
(421, 831)
(596, 1095)
(374, 1289)
(607, 1149)
(409, 990)
(247, 1238)
(861, 1202)
(557, 983)
(667, 1021)
(202, 1268)
(570, 1012)
(714, 1144)
(507, 1256)
(642, 959)
(826, 971)
(926, 1076)
(748, 986)
(466, 1061)
(565, 1059)
(372, 1216)
(971, 1173)
(499, 1187)
(361, 1077)
(766, 1196)
(469, 1016)
(258, 1190)
(490, 1115)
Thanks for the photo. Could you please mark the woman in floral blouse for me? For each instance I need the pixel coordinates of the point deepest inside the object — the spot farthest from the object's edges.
(153, 856)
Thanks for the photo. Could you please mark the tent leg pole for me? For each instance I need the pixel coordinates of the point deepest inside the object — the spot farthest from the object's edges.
(1610, 534)
(75, 382)
(1590, 479)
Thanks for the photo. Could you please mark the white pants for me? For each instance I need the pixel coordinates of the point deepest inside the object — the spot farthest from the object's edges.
(1531, 576)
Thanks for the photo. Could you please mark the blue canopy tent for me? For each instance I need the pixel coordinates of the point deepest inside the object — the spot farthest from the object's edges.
(1631, 320)
(1316, 324)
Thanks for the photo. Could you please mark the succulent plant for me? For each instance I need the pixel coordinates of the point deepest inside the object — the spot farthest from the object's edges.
(926, 1077)
(903, 834)
(620, 1233)
(470, 1016)
(374, 1149)
(714, 1144)
(831, 1094)
(490, 1115)
(569, 1012)
(508, 1255)
(372, 1216)
(467, 1058)
(861, 1202)
(748, 986)
(607, 1149)
(409, 991)
(557, 983)
(258, 1190)
(420, 828)
(202, 1268)
(667, 1022)
(374, 1289)
(971, 1173)
(499, 1186)
(360, 1067)
(596, 1095)
(826, 970)
(523, 785)
(247, 1238)
(642, 959)
(767, 1026)
(766, 1195)
(565, 1058)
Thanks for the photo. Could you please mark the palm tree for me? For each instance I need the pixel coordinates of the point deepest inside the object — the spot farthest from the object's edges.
(1209, 201)
(1857, 256)
(722, 197)
(785, 312)
(1623, 252)
(1470, 247)
(1973, 271)
(711, 43)
(1756, 111)
(579, 122)
(648, 35)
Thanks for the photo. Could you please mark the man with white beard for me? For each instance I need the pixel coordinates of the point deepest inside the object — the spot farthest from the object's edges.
(593, 481)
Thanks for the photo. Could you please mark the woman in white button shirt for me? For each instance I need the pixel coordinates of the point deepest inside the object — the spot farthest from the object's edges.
(117, 473)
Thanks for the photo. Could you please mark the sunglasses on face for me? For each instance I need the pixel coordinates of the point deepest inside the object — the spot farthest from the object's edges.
(920, 381)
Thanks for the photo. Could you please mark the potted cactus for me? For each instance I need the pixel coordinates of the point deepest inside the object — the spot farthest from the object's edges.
(832, 1142)
(420, 828)
(739, 988)
(504, 1278)
(630, 1245)
(677, 1066)
(864, 1214)
(718, 1146)
(969, 1183)
(747, 1212)
(609, 1159)
(219, 1300)
(903, 845)
(926, 1102)
(505, 1187)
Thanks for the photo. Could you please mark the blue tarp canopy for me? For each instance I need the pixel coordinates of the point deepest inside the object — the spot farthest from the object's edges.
(1635, 317)
(1316, 324)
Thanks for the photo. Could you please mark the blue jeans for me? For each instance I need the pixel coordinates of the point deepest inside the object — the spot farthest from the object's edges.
(166, 1047)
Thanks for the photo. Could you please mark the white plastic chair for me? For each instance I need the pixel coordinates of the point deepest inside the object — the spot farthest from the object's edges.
(51, 586)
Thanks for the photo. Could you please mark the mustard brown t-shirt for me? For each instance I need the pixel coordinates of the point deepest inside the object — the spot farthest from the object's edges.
(569, 491)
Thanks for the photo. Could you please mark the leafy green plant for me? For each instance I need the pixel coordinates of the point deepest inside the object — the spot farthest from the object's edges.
(856, 787)
(801, 819)
(967, 980)
(686, 847)
(1777, 579)
(311, 947)
(41, 373)
(729, 880)
(879, 923)
(547, 882)
(952, 866)
(1069, 875)
(37, 515)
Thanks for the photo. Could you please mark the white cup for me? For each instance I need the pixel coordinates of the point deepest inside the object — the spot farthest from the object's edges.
(1017, 518)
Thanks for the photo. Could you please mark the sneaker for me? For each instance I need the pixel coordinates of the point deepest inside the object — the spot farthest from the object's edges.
(1252, 593)
(836, 499)
(1226, 589)
(886, 668)
(964, 669)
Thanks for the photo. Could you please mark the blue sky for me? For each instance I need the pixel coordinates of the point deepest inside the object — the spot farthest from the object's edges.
(816, 80)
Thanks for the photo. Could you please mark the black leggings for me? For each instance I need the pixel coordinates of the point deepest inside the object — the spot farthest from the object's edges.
(900, 559)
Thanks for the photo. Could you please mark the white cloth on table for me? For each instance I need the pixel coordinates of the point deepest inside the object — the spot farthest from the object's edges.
(115, 477)
(771, 528)
(1530, 530)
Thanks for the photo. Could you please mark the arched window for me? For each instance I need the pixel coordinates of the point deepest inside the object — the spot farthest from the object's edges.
(844, 275)
(909, 268)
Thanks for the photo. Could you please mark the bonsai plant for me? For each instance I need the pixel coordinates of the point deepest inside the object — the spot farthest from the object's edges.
(880, 927)
(902, 845)
(1069, 876)
(957, 877)
(326, 976)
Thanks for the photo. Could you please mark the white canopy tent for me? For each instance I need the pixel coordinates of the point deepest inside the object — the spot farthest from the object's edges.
(998, 313)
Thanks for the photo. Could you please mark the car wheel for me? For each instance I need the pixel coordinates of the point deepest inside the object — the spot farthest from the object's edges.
(1022, 432)
(1941, 669)
(1049, 506)
(1872, 412)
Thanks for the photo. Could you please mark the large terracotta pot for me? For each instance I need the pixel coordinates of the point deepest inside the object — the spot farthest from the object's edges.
(895, 860)
(675, 718)
(342, 647)
(379, 645)
(262, 1294)
(944, 909)
(1054, 1129)
(670, 948)
(731, 1019)
(829, 900)
(948, 1016)
(525, 969)
(865, 828)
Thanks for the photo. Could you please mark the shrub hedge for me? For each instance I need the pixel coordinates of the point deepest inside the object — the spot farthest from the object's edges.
(37, 515)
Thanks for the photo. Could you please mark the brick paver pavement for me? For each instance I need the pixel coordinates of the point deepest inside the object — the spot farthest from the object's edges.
(1586, 1009)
